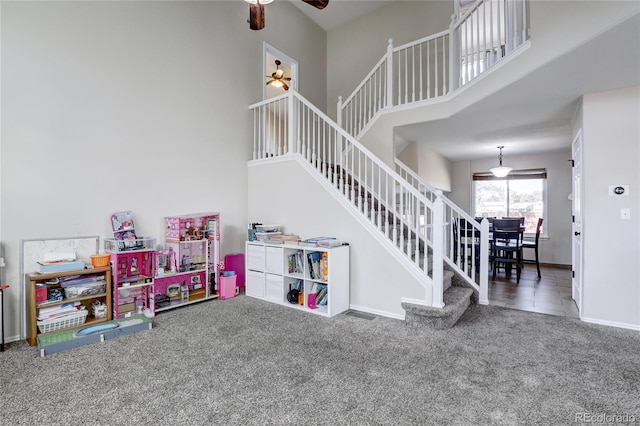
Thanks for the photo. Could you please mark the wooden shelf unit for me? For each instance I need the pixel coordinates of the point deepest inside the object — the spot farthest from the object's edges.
(32, 307)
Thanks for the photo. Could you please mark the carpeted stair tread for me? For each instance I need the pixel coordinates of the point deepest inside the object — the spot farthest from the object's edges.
(447, 278)
(456, 301)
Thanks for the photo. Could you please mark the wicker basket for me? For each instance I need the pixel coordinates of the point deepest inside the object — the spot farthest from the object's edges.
(54, 324)
(100, 260)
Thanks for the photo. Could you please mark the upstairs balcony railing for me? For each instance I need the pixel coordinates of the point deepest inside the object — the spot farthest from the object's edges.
(434, 66)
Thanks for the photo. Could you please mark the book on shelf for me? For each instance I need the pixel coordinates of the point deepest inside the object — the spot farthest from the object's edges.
(322, 293)
(315, 272)
(285, 237)
(330, 243)
(295, 263)
(316, 240)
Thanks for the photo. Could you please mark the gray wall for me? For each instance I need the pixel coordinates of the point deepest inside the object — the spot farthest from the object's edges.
(428, 164)
(611, 155)
(140, 106)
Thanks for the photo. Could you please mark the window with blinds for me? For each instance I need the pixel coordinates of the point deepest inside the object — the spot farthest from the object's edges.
(522, 193)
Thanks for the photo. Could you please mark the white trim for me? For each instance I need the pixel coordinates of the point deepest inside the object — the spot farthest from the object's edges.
(611, 323)
(376, 312)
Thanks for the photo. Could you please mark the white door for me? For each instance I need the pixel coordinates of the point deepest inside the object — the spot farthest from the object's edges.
(576, 290)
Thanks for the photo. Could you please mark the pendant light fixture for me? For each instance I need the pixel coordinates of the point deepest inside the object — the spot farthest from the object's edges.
(500, 171)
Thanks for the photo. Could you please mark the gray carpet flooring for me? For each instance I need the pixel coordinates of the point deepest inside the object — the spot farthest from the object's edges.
(242, 361)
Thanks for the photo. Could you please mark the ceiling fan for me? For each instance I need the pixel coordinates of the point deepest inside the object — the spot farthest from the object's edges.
(256, 11)
(277, 78)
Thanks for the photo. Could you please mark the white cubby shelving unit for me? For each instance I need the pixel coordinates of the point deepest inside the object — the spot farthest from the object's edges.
(321, 273)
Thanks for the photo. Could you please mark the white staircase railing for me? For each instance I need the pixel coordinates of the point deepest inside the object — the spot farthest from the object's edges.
(413, 224)
(434, 66)
(465, 239)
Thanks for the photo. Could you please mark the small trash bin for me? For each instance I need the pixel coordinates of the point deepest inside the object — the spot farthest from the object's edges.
(227, 285)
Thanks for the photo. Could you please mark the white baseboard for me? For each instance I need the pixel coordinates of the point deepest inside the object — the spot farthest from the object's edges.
(420, 302)
(10, 339)
(377, 312)
(635, 327)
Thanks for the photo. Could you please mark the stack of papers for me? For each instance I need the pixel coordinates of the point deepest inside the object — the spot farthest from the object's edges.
(60, 262)
(59, 311)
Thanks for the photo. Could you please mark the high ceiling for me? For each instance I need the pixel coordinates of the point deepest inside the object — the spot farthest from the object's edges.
(339, 12)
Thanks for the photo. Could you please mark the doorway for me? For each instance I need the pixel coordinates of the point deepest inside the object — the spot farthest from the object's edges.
(287, 64)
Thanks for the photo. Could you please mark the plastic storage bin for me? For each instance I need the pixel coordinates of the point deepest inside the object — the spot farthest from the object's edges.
(83, 289)
(112, 245)
(235, 262)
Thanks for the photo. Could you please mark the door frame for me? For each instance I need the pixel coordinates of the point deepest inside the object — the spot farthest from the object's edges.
(269, 54)
(577, 247)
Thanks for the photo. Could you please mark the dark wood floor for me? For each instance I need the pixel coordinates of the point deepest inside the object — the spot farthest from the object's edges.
(550, 294)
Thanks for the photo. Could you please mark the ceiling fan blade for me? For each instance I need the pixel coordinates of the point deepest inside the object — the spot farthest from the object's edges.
(318, 4)
(287, 78)
(256, 16)
(269, 82)
(284, 85)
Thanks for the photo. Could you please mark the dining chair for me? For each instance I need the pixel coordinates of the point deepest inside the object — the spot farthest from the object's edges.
(534, 245)
(467, 238)
(520, 218)
(508, 225)
(507, 252)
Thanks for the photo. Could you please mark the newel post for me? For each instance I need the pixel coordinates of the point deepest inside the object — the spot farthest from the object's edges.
(389, 99)
(339, 112)
(291, 127)
(438, 248)
(484, 262)
(454, 56)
